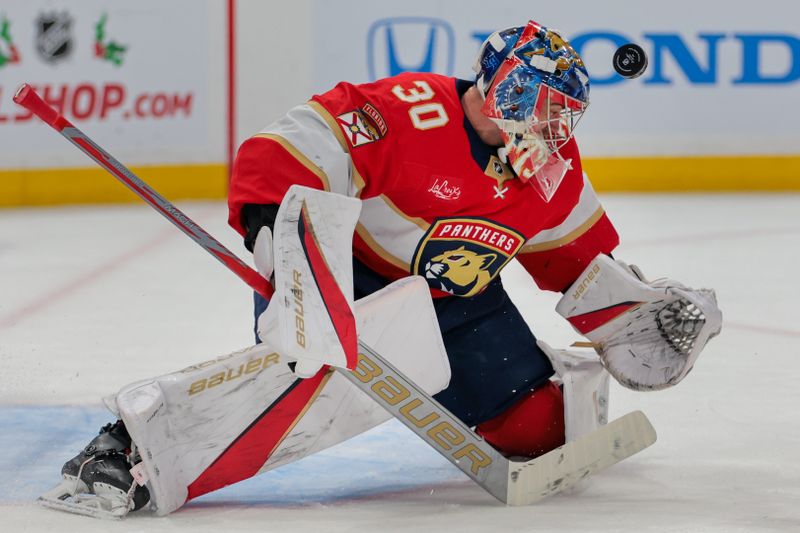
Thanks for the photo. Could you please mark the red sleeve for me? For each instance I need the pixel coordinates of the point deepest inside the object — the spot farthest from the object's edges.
(263, 171)
(335, 142)
(557, 268)
(307, 146)
(556, 257)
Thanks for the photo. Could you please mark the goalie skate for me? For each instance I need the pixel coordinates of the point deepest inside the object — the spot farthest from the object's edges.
(97, 482)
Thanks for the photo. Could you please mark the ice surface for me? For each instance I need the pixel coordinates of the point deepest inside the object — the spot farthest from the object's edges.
(92, 298)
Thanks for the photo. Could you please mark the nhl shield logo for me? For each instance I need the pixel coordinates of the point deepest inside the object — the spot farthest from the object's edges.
(460, 256)
(54, 36)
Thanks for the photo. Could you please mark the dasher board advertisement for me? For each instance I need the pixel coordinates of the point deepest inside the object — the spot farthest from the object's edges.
(721, 81)
(144, 77)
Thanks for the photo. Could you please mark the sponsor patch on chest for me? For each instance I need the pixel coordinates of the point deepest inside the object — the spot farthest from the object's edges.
(445, 188)
(461, 256)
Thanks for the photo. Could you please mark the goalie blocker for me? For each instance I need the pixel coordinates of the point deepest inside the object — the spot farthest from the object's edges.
(310, 318)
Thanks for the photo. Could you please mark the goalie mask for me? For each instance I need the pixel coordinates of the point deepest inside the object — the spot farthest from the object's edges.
(535, 88)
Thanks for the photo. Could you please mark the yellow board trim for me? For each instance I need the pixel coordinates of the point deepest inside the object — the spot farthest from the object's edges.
(694, 174)
(94, 185)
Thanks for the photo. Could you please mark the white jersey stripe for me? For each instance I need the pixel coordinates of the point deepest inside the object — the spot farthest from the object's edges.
(331, 123)
(583, 216)
(333, 127)
(310, 129)
(416, 220)
(568, 238)
(395, 234)
(378, 250)
(313, 144)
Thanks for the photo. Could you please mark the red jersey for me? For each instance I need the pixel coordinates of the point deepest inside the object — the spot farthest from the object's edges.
(437, 201)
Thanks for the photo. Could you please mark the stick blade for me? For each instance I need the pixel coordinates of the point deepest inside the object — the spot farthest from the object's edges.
(565, 466)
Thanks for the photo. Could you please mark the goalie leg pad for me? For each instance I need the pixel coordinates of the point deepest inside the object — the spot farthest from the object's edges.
(221, 421)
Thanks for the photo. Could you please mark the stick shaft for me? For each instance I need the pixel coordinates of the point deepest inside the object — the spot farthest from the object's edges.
(27, 98)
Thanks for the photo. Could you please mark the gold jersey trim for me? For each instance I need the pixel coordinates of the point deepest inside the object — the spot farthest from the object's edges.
(379, 250)
(566, 239)
(420, 222)
(297, 154)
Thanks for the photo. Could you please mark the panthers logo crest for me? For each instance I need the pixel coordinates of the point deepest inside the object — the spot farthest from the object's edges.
(461, 267)
(461, 256)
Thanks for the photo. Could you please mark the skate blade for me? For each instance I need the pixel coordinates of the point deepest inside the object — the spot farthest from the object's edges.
(66, 497)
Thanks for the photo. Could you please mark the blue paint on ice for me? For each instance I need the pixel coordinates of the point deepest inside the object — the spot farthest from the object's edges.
(35, 441)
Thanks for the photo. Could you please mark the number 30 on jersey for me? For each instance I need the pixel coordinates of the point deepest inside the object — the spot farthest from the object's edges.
(424, 114)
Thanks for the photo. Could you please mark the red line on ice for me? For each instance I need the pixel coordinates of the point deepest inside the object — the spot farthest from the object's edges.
(67, 289)
(732, 234)
(64, 291)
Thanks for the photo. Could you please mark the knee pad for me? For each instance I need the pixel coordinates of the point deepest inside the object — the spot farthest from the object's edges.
(584, 382)
(531, 427)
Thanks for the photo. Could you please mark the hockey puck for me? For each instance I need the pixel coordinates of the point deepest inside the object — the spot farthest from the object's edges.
(630, 61)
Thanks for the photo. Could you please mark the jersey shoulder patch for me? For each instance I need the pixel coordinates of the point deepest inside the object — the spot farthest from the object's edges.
(362, 125)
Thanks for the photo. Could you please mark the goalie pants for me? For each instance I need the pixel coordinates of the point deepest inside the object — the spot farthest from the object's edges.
(494, 359)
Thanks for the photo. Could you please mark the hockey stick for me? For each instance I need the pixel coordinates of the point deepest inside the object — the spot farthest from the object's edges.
(27, 98)
(512, 482)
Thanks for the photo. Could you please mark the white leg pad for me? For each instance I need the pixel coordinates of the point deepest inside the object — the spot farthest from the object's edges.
(585, 387)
